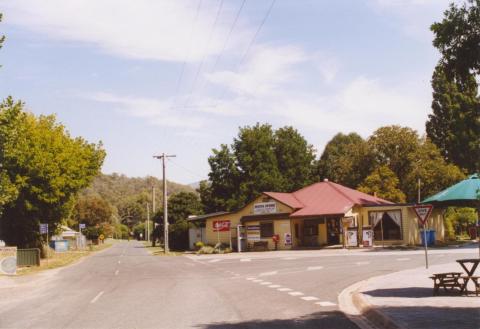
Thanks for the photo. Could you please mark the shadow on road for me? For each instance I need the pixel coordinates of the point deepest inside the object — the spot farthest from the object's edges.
(333, 319)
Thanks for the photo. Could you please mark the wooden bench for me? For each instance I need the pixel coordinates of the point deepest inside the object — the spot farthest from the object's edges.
(260, 245)
(476, 283)
(448, 281)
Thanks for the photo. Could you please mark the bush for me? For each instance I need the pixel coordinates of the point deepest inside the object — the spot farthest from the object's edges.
(199, 244)
(207, 250)
(219, 248)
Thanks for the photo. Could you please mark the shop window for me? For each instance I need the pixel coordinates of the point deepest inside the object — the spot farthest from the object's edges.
(386, 224)
(266, 230)
(310, 228)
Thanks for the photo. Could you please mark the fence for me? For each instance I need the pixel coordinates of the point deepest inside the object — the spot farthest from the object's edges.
(28, 257)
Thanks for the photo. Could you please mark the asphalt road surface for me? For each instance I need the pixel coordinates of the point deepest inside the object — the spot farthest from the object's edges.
(125, 287)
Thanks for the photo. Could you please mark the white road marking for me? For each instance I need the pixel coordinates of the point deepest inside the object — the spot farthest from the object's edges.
(268, 273)
(313, 268)
(274, 286)
(296, 293)
(119, 262)
(289, 258)
(245, 260)
(362, 263)
(97, 297)
(402, 259)
(214, 260)
(264, 283)
(257, 280)
(325, 303)
(250, 279)
(284, 289)
(309, 298)
(116, 272)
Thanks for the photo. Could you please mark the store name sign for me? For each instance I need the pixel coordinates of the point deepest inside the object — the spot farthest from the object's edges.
(264, 208)
(221, 225)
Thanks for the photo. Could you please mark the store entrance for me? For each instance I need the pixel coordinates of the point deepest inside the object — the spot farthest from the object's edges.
(333, 231)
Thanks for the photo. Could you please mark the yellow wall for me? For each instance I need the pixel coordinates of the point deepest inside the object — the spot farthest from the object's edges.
(234, 218)
(322, 234)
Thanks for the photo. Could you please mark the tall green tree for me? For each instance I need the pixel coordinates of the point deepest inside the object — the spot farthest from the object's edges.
(295, 158)
(345, 160)
(454, 125)
(47, 168)
(384, 183)
(92, 210)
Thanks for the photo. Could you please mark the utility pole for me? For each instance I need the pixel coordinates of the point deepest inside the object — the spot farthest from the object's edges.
(165, 204)
(147, 227)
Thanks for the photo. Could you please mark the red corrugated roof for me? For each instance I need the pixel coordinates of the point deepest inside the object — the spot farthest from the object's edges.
(325, 198)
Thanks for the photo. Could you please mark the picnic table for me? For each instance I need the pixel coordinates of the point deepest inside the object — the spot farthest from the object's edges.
(449, 281)
(473, 262)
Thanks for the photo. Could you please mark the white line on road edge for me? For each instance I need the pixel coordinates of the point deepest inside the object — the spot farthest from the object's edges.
(309, 298)
(265, 283)
(257, 281)
(116, 272)
(289, 258)
(326, 304)
(274, 286)
(284, 289)
(214, 260)
(245, 260)
(97, 297)
(313, 268)
(249, 279)
(402, 259)
(296, 293)
(268, 273)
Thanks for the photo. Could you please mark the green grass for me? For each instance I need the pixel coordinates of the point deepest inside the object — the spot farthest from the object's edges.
(56, 260)
(158, 250)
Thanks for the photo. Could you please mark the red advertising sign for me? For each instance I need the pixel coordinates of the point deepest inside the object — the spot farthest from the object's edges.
(423, 212)
(221, 225)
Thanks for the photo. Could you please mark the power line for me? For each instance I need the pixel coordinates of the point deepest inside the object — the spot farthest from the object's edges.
(189, 48)
(204, 55)
(187, 170)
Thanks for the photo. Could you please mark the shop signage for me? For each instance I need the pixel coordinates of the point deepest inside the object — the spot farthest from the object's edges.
(264, 208)
(8, 260)
(367, 238)
(352, 240)
(288, 239)
(253, 232)
(43, 228)
(221, 225)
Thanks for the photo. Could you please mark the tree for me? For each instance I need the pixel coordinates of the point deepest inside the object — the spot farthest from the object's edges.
(180, 207)
(345, 160)
(92, 210)
(295, 158)
(47, 168)
(384, 183)
(454, 125)
(2, 38)
(133, 209)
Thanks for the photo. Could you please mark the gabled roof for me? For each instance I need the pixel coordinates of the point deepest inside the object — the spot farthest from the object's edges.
(206, 216)
(325, 198)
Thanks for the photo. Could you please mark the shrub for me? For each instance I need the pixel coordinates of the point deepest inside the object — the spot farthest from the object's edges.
(199, 244)
(206, 250)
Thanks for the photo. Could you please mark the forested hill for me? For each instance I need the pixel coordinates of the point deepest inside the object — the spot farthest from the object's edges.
(114, 188)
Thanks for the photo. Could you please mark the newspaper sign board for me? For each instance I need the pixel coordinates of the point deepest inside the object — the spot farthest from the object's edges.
(423, 212)
(8, 260)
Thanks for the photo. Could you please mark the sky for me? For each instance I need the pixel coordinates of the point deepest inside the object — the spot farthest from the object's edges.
(151, 76)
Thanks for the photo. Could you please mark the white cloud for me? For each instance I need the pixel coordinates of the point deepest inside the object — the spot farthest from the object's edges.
(140, 29)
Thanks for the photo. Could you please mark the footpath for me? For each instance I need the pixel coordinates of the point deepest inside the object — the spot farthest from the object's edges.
(405, 300)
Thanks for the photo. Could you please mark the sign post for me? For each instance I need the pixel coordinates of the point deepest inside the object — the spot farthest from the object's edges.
(423, 212)
(44, 230)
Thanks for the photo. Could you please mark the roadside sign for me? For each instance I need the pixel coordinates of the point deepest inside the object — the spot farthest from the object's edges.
(43, 228)
(423, 212)
(101, 236)
(81, 225)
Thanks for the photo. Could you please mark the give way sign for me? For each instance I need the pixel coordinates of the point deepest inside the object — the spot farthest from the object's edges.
(423, 212)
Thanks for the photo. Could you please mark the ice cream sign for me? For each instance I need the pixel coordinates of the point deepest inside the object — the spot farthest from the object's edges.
(221, 225)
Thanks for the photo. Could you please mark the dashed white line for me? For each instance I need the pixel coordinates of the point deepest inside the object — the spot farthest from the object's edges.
(268, 273)
(296, 293)
(309, 298)
(325, 303)
(214, 260)
(245, 260)
(119, 262)
(257, 281)
(402, 259)
(362, 263)
(97, 297)
(264, 283)
(274, 286)
(284, 289)
(289, 258)
(116, 272)
(314, 268)
(249, 279)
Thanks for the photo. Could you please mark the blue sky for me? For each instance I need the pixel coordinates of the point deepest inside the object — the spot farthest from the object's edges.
(152, 76)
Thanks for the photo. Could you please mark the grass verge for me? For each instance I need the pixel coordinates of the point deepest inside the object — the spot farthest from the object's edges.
(158, 250)
(56, 260)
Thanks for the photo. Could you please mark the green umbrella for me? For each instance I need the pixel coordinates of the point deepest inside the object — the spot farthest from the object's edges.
(463, 194)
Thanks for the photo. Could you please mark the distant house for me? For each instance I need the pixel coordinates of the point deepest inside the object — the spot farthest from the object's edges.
(321, 214)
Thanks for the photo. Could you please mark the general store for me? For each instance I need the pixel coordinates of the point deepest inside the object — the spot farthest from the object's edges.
(319, 215)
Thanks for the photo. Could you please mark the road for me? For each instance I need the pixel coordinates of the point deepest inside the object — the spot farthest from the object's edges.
(126, 287)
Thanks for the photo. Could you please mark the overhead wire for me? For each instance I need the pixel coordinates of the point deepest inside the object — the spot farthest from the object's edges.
(196, 175)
